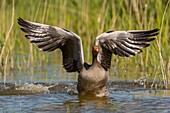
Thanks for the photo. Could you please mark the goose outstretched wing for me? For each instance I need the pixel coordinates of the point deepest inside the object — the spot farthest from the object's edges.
(49, 38)
(122, 43)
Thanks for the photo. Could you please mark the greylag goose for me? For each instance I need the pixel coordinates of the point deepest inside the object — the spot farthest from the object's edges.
(91, 78)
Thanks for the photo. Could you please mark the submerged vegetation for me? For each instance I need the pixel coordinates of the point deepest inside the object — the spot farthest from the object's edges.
(88, 18)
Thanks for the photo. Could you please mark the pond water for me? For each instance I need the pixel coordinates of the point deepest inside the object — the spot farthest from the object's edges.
(61, 98)
(50, 89)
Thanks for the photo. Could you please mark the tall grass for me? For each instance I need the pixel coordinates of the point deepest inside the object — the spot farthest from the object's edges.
(88, 18)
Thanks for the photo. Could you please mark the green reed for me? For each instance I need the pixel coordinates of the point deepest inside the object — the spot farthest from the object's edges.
(88, 18)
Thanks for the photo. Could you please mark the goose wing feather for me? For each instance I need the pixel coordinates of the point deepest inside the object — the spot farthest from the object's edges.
(122, 43)
(49, 38)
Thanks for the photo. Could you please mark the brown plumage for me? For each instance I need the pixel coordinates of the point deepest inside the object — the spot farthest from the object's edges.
(92, 78)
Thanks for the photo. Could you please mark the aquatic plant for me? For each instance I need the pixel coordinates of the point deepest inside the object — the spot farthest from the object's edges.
(88, 19)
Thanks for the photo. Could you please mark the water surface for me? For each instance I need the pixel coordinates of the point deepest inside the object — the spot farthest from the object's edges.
(61, 97)
(49, 89)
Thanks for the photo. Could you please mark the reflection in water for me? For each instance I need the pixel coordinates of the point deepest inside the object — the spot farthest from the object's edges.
(91, 104)
(47, 94)
(44, 97)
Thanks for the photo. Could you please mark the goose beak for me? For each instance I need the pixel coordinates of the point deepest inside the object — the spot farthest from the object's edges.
(96, 49)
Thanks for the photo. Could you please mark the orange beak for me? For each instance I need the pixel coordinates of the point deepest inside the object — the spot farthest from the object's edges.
(96, 49)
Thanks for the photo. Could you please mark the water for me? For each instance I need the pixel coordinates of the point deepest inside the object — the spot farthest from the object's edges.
(61, 97)
(49, 89)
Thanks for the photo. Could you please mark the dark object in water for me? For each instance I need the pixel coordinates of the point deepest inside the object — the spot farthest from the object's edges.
(92, 78)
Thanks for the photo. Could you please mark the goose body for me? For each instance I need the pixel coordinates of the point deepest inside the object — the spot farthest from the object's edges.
(91, 78)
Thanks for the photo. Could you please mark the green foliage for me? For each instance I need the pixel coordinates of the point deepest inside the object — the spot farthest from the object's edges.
(89, 18)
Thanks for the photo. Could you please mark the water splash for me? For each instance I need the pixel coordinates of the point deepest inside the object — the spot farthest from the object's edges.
(32, 88)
